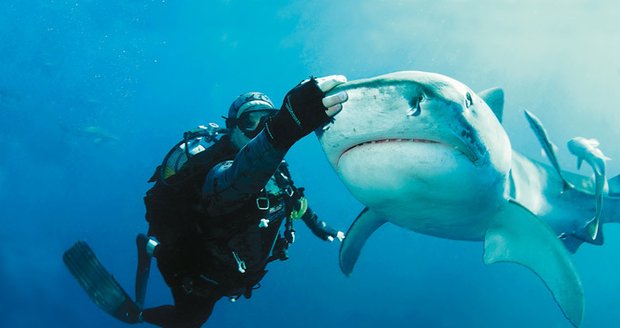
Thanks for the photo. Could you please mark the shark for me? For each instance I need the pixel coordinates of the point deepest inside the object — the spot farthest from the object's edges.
(94, 133)
(425, 152)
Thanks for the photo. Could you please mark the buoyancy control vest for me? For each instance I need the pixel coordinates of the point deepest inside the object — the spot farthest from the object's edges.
(227, 253)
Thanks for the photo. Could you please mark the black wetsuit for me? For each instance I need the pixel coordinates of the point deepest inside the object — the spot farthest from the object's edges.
(219, 222)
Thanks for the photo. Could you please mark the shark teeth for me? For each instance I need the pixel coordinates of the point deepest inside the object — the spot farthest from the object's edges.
(462, 149)
(395, 140)
(390, 140)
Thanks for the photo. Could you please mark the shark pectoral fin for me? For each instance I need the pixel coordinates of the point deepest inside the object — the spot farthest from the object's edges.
(364, 225)
(517, 235)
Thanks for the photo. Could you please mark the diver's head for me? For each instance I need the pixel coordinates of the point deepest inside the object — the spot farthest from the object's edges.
(247, 117)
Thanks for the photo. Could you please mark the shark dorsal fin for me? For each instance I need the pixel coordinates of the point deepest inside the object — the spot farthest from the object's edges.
(494, 97)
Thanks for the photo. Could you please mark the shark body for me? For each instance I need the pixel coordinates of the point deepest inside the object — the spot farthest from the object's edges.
(94, 133)
(424, 152)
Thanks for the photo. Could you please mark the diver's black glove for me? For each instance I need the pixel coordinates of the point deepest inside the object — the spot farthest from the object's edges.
(329, 233)
(320, 228)
(305, 108)
(301, 113)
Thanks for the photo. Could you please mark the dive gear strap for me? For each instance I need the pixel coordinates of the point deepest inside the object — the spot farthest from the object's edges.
(291, 197)
(299, 209)
(99, 284)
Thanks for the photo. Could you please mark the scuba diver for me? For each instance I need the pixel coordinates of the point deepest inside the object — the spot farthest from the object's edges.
(220, 210)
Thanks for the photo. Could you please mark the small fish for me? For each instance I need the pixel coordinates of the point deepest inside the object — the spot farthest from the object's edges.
(587, 150)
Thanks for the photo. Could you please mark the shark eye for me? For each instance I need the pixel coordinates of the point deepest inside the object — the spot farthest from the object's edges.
(414, 106)
(468, 100)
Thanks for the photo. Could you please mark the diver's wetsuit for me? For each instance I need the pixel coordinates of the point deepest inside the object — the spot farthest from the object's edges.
(213, 242)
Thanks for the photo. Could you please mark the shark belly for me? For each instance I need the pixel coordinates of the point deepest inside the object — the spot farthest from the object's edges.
(430, 188)
(457, 223)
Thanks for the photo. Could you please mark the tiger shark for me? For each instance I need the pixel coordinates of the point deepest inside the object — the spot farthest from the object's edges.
(424, 152)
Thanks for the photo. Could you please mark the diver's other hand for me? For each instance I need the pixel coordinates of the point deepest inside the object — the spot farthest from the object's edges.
(305, 109)
(339, 235)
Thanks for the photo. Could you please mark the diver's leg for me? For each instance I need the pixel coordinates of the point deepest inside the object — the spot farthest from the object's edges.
(159, 316)
(190, 311)
(147, 247)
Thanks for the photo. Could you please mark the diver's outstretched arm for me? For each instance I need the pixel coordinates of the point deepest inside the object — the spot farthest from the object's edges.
(320, 228)
(305, 109)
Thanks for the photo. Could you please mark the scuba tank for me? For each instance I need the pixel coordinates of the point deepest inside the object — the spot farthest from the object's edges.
(193, 142)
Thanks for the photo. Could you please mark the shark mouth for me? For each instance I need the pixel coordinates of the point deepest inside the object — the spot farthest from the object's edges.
(387, 141)
(465, 152)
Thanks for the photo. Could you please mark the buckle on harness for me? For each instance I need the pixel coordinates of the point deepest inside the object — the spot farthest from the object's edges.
(188, 285)
(240, 263)
(264, 223)
(201, 285)
(289, 191)
(262, 203)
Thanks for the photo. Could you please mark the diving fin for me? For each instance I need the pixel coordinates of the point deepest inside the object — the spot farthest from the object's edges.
(99, 284)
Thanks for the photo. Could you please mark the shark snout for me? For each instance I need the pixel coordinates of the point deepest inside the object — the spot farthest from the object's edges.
(438, 119)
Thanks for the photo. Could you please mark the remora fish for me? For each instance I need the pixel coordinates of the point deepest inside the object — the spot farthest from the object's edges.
(587, 149)
(426, 153)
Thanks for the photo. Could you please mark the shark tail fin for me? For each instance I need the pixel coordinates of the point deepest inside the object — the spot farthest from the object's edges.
(614, 186)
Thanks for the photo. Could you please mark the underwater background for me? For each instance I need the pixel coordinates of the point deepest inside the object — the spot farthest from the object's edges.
(94, 93)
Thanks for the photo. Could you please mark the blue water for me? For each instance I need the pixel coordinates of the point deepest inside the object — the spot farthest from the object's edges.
(145, 71)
